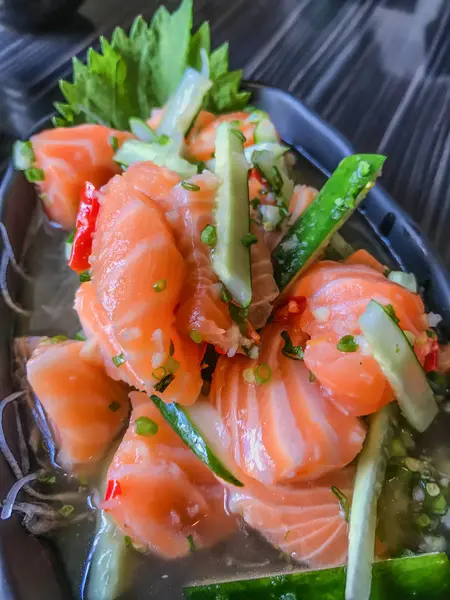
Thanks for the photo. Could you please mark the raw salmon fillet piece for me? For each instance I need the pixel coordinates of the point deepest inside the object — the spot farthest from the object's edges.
(86, 408)
(168, 499)
(70, 156)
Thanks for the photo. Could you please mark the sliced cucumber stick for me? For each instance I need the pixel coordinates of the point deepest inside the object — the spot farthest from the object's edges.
(334, 204)
(398, 361)
(424, 577)
(231, 257)
(369, 480)
(183, 424)
(133, 151)
(274, 170)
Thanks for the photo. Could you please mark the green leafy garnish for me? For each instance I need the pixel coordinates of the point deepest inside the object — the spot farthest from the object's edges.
(85, 276)
(289, 350)
(248, 240)
(137, 72)
(209, 236)
(347, 344)
(23, 155)
(34, 175)
(119, 359)
(145, 426)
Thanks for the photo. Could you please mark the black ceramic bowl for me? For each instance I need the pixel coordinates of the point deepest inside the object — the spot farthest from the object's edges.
(32, 14)
(28, 569)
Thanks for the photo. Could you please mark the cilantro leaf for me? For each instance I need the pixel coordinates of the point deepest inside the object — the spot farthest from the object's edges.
(137, 72)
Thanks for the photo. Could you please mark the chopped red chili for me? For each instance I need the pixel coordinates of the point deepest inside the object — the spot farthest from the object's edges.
(86, 221)
(113, 489)
(293, 307)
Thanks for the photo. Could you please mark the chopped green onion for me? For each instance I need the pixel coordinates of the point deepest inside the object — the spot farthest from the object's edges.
(343, 501)
(225, 295)
(23, 155)
(33, 175)
(423, 520)
(195, 336)
(201, 166)
(248, 240)
(114, 406)
(277, 180)
(163, 139)
(160, 285)
(239, 135)
(119, 359)
(439, 505)
(431, 334)
(235, 123)
(145, 426)
(66, 510)
(347, 344)
(85, 276)
(433, 489)
(80, 337)
(255, 202)
(190, 187)
(289, 350)
(162, 385)
(71, 237)
(58, 338)
(45, 478)
(249, 375)
(159, 373)
(397, 348)
(113, 142)
(142, 131)
(312, 377)
(263, 373)
(209, 236)
(191, 543)
(127, 541)
(171, 348)
(391, 312)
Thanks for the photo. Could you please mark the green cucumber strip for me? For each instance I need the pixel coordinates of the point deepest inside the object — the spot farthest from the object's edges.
(184, 104)
(142, 131)
(274, 170)
(407, 280)
(109, 569)
(230, 258)
(331, 208)
(133, 151)
(399, 363)
(370, 474)
(265, 132)
(23, 155)
(180, 421)
(278, 150)
(425, 577)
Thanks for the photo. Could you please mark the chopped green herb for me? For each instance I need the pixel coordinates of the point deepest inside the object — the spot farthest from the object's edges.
(119, 359)
(289, 350)
(255, 202)
(114, 406)
(23, 155)
(145, 426)
(312, 377)
(433, 489)
(439, 505)
(85, 276)
(225, 295)
(171, 348)
(277, 180)
(159, 373)
(391, 312)
(201, 166)
(191, 543)
(190, 187)
(347, 344)
(127, 541)
(431, 334)
(66, 510)
(235, 123)
(195, 336)
(71, 237)
(56, 339)
(33, 175)
(423, 520)
(45, 478)
(239, 135)
(248, 240)
(114, 143)
(162, 385)
(263, 373)
(160, 285)
(209, 236)
(80, 337)
(343, 501)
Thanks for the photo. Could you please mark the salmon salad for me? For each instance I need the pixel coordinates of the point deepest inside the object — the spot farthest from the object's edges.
(240, 369)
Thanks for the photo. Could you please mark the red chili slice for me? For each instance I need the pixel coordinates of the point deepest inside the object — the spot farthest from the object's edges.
(86, 222)
(113, 489)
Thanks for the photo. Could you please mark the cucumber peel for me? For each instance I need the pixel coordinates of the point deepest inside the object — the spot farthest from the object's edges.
(265, 132)
(274, 170)
(370, 474)
(425, 577)
(180, 421)
(399, 363)
(333, 205)
(231, 258)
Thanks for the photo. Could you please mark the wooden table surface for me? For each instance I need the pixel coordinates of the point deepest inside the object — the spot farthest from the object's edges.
(376, 70)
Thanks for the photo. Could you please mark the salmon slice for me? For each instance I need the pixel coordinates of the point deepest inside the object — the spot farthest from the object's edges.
(284, 430)
(304, 521)
(201, 143)
(362, 257)
(70, 156)
(301, 199)
(264, 288)
(85, 408)
(337, 295)
(168, 499)
(138, 274)
(203, 119)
